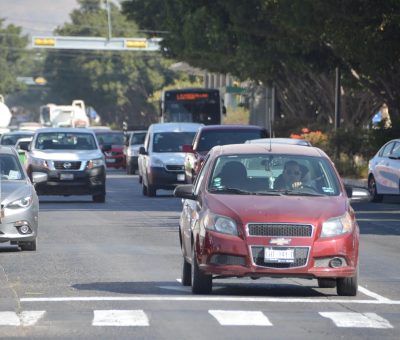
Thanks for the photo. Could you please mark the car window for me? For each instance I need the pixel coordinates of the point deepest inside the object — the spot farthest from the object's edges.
(386, 150)
(396, 150)
(171, 141)
(113, 138)
(201, 176)
(10, 168)
(266, 173)
(209, 139)
(137, 138)
(65, 141)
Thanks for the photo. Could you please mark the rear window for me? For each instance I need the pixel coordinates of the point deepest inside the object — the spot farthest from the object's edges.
(171, 141)
(113, 138)
(211, 138)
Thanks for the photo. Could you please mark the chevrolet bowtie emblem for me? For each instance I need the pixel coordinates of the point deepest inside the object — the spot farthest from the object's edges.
(280, 241)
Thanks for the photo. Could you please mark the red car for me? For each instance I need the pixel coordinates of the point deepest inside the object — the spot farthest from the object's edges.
(276, 211)
(113, 143)
(212, 135)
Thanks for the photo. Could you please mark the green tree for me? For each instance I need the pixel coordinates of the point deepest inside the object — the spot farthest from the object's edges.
(293, 44)
(13, 57)
(116, 84)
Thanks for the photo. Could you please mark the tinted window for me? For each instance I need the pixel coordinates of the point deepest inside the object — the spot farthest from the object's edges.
(211, 138)
(171, 141)
(113, 138)
(138, 138)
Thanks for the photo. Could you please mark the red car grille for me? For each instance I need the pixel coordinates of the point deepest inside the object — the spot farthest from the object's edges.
(276, 230)
(300, 258)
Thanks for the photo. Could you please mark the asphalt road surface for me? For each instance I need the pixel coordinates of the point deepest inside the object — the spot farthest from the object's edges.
(111, 271)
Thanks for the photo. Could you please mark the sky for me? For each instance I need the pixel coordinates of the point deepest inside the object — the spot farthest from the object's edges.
(37, 17)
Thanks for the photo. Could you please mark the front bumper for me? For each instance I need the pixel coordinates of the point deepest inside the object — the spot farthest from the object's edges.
(161, 178)
(115, 161)
(73, 182)
(232, 256)
(9, 230)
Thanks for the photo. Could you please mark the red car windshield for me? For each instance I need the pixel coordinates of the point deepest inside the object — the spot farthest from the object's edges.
(274, 173)
(112, 138)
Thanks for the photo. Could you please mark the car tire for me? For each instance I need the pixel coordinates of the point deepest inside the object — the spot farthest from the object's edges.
(100, 198)
(144, 189)
(326, 283)
(375, 197)
(129, 169)
(28, 246)
(201, 283)
(186, 276)
(151, 191)
(347, 286)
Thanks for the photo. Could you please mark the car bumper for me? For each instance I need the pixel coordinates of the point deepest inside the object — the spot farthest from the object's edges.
(87, 182)
(9, 230)
(115, 162)
(226, 255)
(161, 178)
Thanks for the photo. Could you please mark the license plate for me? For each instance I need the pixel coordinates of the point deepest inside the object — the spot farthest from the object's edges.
(181, 177)
(110, 160)
(66, 177)
(279, 255)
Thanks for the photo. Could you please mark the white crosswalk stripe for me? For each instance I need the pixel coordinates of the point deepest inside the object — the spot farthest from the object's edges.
(120, 318)
(25, 319)
(357, 320)
(240, 318)
(134, 318)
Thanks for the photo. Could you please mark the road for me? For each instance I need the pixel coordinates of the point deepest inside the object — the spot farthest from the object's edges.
(111, 271)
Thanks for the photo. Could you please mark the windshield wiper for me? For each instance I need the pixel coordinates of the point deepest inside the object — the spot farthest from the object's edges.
(230, 190)
(300, 193)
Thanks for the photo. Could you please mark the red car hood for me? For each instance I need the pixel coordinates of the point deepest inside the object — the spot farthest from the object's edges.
(251, 208)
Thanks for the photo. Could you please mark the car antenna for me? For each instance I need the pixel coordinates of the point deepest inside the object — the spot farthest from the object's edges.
(270, 127)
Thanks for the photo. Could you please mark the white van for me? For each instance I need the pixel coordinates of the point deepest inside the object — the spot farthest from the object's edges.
(161, 159)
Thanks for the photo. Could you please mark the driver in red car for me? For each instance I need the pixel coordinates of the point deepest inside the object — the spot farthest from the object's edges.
(291, 177)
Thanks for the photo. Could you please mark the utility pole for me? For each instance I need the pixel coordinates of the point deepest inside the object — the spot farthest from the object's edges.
(109, 20)
(337, 98)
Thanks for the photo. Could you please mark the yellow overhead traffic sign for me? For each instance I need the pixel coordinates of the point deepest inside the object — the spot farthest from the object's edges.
(97, 43)
(136, 43)
(44, 42)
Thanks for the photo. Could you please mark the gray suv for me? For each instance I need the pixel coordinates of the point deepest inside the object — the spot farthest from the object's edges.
(72, 160)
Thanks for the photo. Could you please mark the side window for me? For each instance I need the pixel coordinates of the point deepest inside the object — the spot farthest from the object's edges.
(396, 150)
(386, 150)
(201, 176)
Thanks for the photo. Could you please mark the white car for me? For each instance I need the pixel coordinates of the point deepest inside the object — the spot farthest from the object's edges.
(384, 171)
(161, 164)
(136, 140)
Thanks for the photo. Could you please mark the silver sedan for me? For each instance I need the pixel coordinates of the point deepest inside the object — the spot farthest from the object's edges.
(19, 201)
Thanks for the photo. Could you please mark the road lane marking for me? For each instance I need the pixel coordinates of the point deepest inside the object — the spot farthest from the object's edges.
(25, 319)
(372, 294)
(206, 299)
(240, 318)
(357, 320)
(120, 318)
